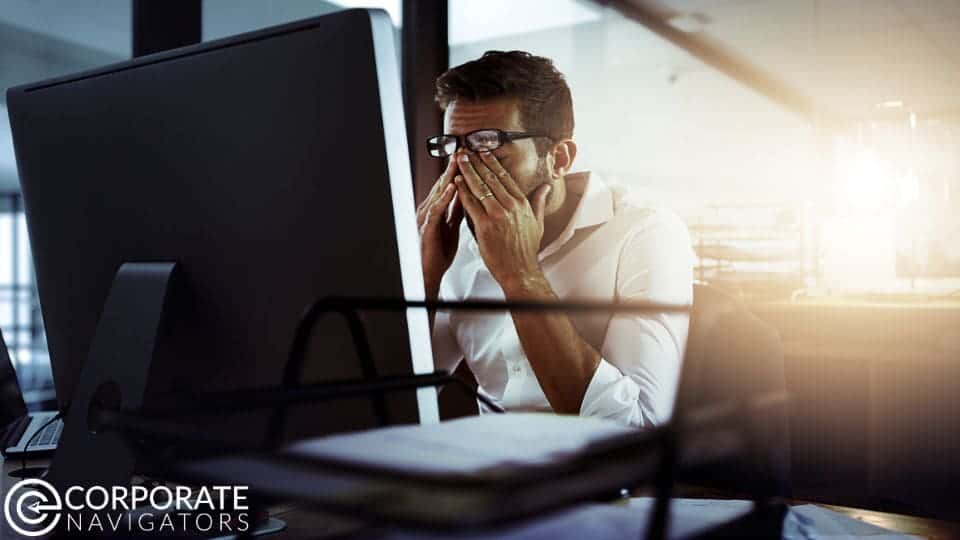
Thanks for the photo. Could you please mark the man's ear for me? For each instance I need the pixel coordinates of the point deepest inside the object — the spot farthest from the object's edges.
(564, 152)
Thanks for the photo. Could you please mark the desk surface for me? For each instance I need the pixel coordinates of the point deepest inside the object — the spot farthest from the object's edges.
(915, 526)
(303, 522)
(935, 302)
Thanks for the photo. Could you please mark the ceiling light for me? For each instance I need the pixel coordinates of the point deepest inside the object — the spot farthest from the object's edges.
(890, 104)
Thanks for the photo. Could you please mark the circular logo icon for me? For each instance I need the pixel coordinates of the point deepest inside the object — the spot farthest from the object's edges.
(32, 507)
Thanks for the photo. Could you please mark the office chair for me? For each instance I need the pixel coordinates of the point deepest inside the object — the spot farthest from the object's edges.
(733, 357)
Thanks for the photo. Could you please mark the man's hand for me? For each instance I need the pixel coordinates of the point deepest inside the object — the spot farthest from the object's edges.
(439, 229)
(509, 229)
(507, 226)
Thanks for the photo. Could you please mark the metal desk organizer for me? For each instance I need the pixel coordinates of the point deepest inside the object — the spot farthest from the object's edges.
(601, 472)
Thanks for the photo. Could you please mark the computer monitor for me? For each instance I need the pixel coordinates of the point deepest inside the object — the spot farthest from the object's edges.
(273, 167)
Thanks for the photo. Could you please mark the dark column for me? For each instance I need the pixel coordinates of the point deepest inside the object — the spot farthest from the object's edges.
(159, 25)
(425, 55)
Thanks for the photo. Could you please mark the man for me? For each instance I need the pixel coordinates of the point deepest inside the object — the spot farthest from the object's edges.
(509, 220)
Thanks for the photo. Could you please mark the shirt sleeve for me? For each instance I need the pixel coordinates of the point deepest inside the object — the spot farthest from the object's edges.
(641, 357)
(446, 351)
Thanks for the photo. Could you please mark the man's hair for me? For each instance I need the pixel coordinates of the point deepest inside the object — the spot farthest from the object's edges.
(541, 91)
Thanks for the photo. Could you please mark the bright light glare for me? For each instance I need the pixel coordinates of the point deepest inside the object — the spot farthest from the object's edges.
(908, 188)
(865, 185)
(858, 243)
(858, 252)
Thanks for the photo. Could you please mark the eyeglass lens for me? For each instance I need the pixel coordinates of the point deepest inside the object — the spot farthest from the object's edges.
(483, 141)
(478, 141)
(444, 145)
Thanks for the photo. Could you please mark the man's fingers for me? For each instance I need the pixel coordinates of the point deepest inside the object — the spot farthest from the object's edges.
(469, 201)
(480, 190)
(456, 213)
(490, 179)
(450, 171)
(539, 204)
(439, 209)
(437, 212)
(446, 179)
(502, 174)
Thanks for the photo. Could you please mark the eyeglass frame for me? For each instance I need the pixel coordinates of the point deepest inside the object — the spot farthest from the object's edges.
(503, 137)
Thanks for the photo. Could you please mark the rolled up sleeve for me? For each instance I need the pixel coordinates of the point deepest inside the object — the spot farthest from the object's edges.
(642, 354)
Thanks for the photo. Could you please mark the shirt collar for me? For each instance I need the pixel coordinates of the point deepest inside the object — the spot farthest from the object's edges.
(594, 207)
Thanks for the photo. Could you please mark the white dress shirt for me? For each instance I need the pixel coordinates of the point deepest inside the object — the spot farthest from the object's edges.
(614, 248)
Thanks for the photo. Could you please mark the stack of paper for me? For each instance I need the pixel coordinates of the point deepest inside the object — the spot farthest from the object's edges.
(480, 446)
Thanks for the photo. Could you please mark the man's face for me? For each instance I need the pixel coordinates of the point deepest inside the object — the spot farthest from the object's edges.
(519, 158)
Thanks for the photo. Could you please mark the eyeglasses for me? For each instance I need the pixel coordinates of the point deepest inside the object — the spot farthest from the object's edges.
(481, 140)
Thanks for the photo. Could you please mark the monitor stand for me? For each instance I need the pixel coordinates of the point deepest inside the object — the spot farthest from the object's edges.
(115, 377)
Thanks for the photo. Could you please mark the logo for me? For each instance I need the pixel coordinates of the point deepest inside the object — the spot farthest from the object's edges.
(32, 507)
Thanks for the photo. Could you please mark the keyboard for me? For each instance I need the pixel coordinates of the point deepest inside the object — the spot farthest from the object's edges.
(48, 435)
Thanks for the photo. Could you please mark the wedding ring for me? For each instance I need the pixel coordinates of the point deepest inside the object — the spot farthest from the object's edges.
(486, 195)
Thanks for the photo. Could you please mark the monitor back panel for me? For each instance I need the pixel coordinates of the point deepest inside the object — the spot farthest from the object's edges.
(260, 163)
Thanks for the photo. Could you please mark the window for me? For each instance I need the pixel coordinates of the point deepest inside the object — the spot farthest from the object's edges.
(38, 41)
(223, 18)
(843, 177)
(20, 317)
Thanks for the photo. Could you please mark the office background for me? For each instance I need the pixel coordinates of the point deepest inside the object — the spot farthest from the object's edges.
(811, 145)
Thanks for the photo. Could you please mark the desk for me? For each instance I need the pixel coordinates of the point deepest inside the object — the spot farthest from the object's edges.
(921, 527)
(875, 390)
(911, 525)
(303, 522)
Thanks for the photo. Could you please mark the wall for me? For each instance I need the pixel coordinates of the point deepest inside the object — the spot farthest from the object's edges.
(650, 116)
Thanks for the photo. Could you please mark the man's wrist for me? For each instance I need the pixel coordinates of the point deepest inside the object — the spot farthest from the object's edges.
(431, 289)
(529, 286)
(431, 282)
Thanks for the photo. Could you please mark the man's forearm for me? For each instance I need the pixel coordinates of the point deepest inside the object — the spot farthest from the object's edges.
(562, 360)
(431, 291)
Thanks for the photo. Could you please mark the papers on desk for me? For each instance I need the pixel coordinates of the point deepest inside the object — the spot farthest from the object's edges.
(478, 447)
(493, 448)
(811, 522)
(471, 472)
